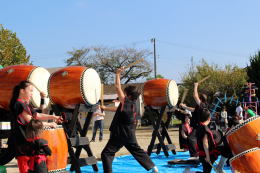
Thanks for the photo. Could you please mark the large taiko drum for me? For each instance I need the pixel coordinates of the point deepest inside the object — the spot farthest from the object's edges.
(12, 75)
(57, 141)
(160, 92)
(74, 85)
(244, 136)
(247, 161)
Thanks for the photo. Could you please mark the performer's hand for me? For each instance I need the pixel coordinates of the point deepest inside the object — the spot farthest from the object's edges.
(58, 119)
(42, 94)
(102, 107)
(207, 159)
(182, 105)
(196, 84)
(120, 70)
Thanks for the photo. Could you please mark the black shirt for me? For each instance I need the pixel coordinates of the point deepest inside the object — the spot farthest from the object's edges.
(21, 144)
(203, 130)
(195, 119)
(124, 122)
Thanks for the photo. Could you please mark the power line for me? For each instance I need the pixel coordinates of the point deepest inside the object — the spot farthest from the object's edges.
(201, 49)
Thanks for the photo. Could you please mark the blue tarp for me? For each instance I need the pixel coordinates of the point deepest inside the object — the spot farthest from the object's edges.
(127, 164)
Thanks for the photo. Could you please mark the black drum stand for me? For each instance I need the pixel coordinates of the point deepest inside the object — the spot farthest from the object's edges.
(76, 136)
(160, 131)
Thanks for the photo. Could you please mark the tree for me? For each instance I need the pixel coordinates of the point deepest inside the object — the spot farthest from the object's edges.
(12, 51)
(158, 76)
(229, 79)
(253, 70)
(107, 60)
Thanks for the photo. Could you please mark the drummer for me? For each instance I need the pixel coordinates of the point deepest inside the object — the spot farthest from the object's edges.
(201, 101)
(22, 114)
(123, 129)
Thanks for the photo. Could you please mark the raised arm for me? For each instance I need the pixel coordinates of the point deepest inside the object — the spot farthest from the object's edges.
(119, 90)
(196, 94)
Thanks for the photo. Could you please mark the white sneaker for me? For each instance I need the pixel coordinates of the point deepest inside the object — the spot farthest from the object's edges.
(155, 170)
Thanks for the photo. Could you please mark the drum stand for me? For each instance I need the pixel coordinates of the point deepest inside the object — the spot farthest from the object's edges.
(161, 134)
(77, 136)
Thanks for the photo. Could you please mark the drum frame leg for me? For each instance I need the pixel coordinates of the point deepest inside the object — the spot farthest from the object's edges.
(74, 132)
(161, 134)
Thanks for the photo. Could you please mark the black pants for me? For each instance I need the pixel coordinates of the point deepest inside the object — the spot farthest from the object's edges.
(114, 145)
(192, 143)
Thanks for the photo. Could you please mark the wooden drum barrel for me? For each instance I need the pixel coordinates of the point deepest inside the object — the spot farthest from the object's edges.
(57, 141)
(160, 92)
(244, 136)
(12, 75)
(247, 161)
(74, 85)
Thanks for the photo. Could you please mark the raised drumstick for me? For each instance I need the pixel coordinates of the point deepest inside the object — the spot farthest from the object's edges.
(40, 91)
(136, 62)
(102, 94)
(185, 92)
(205, 78)
(35, 86)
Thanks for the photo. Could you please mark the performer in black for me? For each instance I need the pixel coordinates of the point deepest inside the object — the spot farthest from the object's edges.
(22, 113)
(123, 129)
(208, 149)
(201, 101)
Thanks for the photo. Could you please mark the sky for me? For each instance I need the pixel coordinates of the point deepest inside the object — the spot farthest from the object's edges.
(221, 31)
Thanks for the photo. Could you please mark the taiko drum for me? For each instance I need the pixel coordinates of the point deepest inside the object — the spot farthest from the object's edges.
(160, 92)
(57, 142)
(247, 161)
(74, 85)
(12, 75)
(244, 136)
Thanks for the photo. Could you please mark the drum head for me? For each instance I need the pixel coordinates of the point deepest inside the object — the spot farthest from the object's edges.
(173, 93)
(39, 77)
(91, 86)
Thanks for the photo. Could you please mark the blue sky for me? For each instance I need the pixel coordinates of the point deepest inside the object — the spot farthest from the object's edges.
(220, 31)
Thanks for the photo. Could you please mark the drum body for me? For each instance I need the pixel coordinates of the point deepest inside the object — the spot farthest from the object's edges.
(247, 161)
(12, 75)
(244, 136)
(74, 85)
(160, 92)
(58, 143)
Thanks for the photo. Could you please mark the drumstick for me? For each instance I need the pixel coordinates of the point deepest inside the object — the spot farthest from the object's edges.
(102, 94)
(215, 169)
(136, 62)
(37, 88)
(202, 80)
(185, 92)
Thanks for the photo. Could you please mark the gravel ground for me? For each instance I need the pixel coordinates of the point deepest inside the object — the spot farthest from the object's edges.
(143, 136)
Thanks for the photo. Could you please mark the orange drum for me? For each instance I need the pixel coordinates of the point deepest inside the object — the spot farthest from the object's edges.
(57, 141)
(74, 85)
(12, 75)
(244, 136)
(247, 161)
(160, 92)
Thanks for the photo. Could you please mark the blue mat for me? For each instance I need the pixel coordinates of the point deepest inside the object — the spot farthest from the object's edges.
(127, 164)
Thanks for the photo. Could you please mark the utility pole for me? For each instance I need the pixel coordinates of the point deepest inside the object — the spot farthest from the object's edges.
(154, 56)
